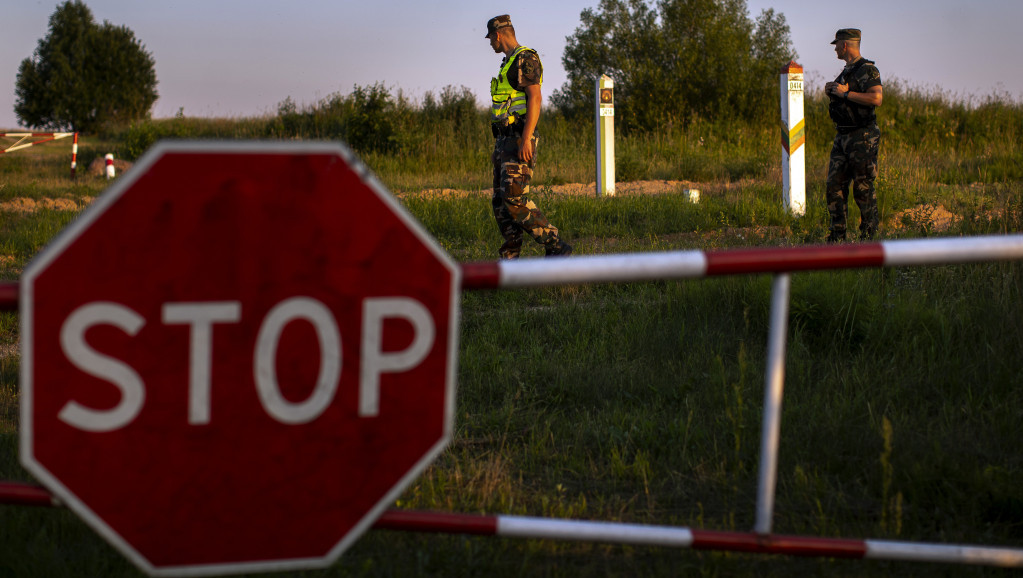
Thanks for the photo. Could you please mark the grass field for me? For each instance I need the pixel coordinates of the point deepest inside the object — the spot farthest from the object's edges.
(641, 402)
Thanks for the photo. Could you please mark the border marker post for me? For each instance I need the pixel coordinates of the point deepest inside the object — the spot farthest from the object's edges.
(74, 156)
(605, 114)
(793, 136)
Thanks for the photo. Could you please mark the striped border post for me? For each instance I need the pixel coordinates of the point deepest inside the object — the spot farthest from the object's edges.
(74, 156)
(108, 163)
(793, 137)
(605, 120)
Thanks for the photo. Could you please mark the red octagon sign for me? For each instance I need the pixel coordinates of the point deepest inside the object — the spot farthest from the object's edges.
(238, 357)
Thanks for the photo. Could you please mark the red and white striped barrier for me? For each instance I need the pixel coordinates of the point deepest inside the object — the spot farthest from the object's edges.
(697, 264)
(682, 537)
(24, 136)
(640, 535)
(46, 137)
(681, 265)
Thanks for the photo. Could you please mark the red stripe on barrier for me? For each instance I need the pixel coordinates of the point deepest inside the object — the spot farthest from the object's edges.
(483, 275)
(446, 523)
(8, 296)
(779, 260)
(775, 544)
(25, 494)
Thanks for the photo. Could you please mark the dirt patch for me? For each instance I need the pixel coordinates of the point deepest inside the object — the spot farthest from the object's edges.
(625, 188)
(26, 205)
(576, 189)
(926, 216)
(98, 167)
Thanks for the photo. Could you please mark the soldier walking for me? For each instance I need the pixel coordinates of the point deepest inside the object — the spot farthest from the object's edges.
(853, 97)
(514, 114)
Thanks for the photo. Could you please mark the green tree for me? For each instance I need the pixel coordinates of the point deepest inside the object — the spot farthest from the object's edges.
(84, 76)
(673, 59)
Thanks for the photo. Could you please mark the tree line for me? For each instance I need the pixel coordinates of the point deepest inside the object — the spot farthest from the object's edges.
(672, 60)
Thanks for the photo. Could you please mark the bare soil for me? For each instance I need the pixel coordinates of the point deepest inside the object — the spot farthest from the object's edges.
(577, 189)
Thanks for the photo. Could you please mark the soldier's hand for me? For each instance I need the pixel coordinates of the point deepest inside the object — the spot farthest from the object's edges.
(526, 150)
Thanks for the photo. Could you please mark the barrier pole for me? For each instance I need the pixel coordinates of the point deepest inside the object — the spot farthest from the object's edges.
(639, 534)
(24, 136)
(774, 377)
(605, 120)
(793, 136)
(74, 155)
(667, 265)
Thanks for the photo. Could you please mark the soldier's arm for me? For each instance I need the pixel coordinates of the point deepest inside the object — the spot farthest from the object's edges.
(870, 80)
(533, 100)
(872, 97)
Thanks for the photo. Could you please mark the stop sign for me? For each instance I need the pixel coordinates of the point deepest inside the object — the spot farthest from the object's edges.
(237, 357)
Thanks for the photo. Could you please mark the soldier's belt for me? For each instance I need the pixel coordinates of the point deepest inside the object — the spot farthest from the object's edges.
(501, 129)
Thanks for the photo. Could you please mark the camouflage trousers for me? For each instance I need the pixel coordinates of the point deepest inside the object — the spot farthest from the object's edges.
(514, 211)
(853, 159)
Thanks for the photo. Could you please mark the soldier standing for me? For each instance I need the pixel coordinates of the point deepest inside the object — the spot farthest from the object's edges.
(514, 114)
(853, 97)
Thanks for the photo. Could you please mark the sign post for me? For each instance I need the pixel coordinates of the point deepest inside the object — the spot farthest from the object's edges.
(793, 137)
(245, 375)
(605, 120)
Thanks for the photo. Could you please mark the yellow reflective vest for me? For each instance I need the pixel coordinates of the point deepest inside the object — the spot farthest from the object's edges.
(506, 103)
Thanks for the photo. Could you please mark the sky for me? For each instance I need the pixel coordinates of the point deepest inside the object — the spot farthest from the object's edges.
(228, 58)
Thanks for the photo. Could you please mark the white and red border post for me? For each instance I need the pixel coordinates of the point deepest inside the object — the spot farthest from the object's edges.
(793, 137)
(74, 156)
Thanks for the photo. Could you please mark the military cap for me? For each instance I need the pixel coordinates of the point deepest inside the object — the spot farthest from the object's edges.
(497, 22)
(847, 34)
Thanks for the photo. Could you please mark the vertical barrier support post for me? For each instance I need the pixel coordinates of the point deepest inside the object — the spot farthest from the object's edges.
(793, 136)
(605, 136)
(111, 170)
(773, 386)
(74, 156)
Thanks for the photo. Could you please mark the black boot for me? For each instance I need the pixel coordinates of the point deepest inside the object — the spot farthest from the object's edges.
(558, 248)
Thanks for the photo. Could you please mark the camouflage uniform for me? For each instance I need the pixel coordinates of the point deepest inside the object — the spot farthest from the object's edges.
(513, 209)
(854, 153)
